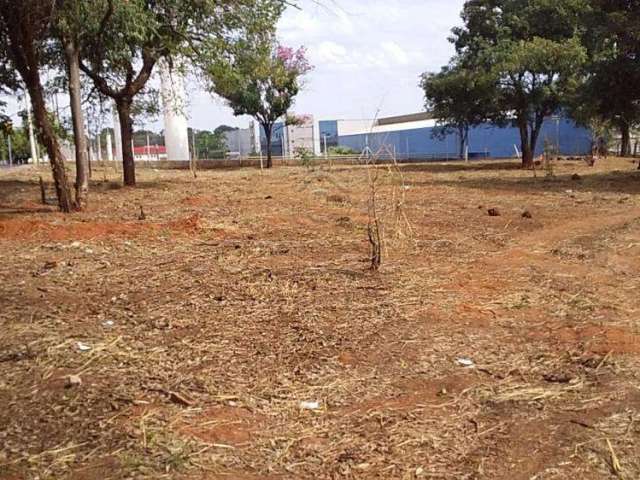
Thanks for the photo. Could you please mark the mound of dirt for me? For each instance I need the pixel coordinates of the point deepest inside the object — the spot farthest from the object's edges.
(22, 229)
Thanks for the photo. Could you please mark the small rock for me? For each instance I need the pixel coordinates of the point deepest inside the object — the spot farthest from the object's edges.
(466, 362)
(310, 405)
(493, 212)
(76, 244)
(268, 197)
(50, 265)
(337, 198)
(557, 377)
(576, 178)
(72, 381)
(527, 214)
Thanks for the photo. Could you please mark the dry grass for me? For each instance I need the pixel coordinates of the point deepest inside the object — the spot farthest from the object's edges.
(243, 295)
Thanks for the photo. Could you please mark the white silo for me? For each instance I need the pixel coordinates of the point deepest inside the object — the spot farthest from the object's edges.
(176, 133)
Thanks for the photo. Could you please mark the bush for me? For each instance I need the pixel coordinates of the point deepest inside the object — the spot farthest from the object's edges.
(341, 151)
(304, 156)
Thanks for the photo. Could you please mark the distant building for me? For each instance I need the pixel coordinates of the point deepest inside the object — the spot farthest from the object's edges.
(152, 153)
(241, 142)
(410, 137)
(286, 139)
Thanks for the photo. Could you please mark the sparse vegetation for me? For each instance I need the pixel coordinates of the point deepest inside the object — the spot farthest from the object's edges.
(369, 320)
(197, 318)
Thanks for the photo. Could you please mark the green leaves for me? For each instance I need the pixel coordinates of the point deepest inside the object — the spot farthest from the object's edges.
(258, 77)
(530, 51)
(610, 92)
(459, 96)
(531, 47)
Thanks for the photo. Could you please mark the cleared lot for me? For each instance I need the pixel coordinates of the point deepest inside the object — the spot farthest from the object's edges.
(205, 335)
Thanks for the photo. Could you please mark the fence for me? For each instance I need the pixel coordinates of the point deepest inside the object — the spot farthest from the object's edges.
(254, 162)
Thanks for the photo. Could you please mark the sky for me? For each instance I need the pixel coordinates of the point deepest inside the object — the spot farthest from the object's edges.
(367, 56)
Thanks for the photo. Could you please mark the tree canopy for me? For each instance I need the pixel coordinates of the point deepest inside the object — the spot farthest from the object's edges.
(459, 98)
(123, 41)
(533, 51)
(25, 35)
(260, 78)
(611, 90)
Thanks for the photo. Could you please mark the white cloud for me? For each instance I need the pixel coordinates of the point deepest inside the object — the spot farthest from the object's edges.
(369, 53)
(366, 54)
(329, 52)
(395, 53)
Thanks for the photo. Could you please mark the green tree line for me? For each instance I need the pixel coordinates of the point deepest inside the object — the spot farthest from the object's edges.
(519, 61)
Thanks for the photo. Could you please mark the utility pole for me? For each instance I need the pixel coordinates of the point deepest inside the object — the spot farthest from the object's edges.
(556, 118)
(148, 148)
(109, 147)
(117, 135)
(32, 138)
(193, 144)
(10, 150)
(99, 147)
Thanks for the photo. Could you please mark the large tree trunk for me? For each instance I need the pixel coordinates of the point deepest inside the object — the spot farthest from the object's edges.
(123, 105)
(80, 140)
(22, 50)
(464, 143)
(268, 130)
(535, 134)
(625, 143)
(48, 138)
(525, 145)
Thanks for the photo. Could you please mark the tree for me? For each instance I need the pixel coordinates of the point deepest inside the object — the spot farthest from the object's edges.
(125, 39)
(224, 129)
(458, 98)
(210, 144)
(19, 143)
(25, 32)
(141, 137)
(611, 92)
(122, 42)
(68, 34)
(532, 48)
(259, 78)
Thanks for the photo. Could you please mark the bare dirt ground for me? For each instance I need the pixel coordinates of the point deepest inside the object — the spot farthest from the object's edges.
(198, 331)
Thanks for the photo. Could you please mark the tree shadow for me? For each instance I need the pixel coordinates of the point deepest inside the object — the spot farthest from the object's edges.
(13, 210)
(101, 186)
(620, 182)
(11, 189)
(457, 166)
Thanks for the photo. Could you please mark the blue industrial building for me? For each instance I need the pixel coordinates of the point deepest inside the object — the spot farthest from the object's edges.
(411, 137)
